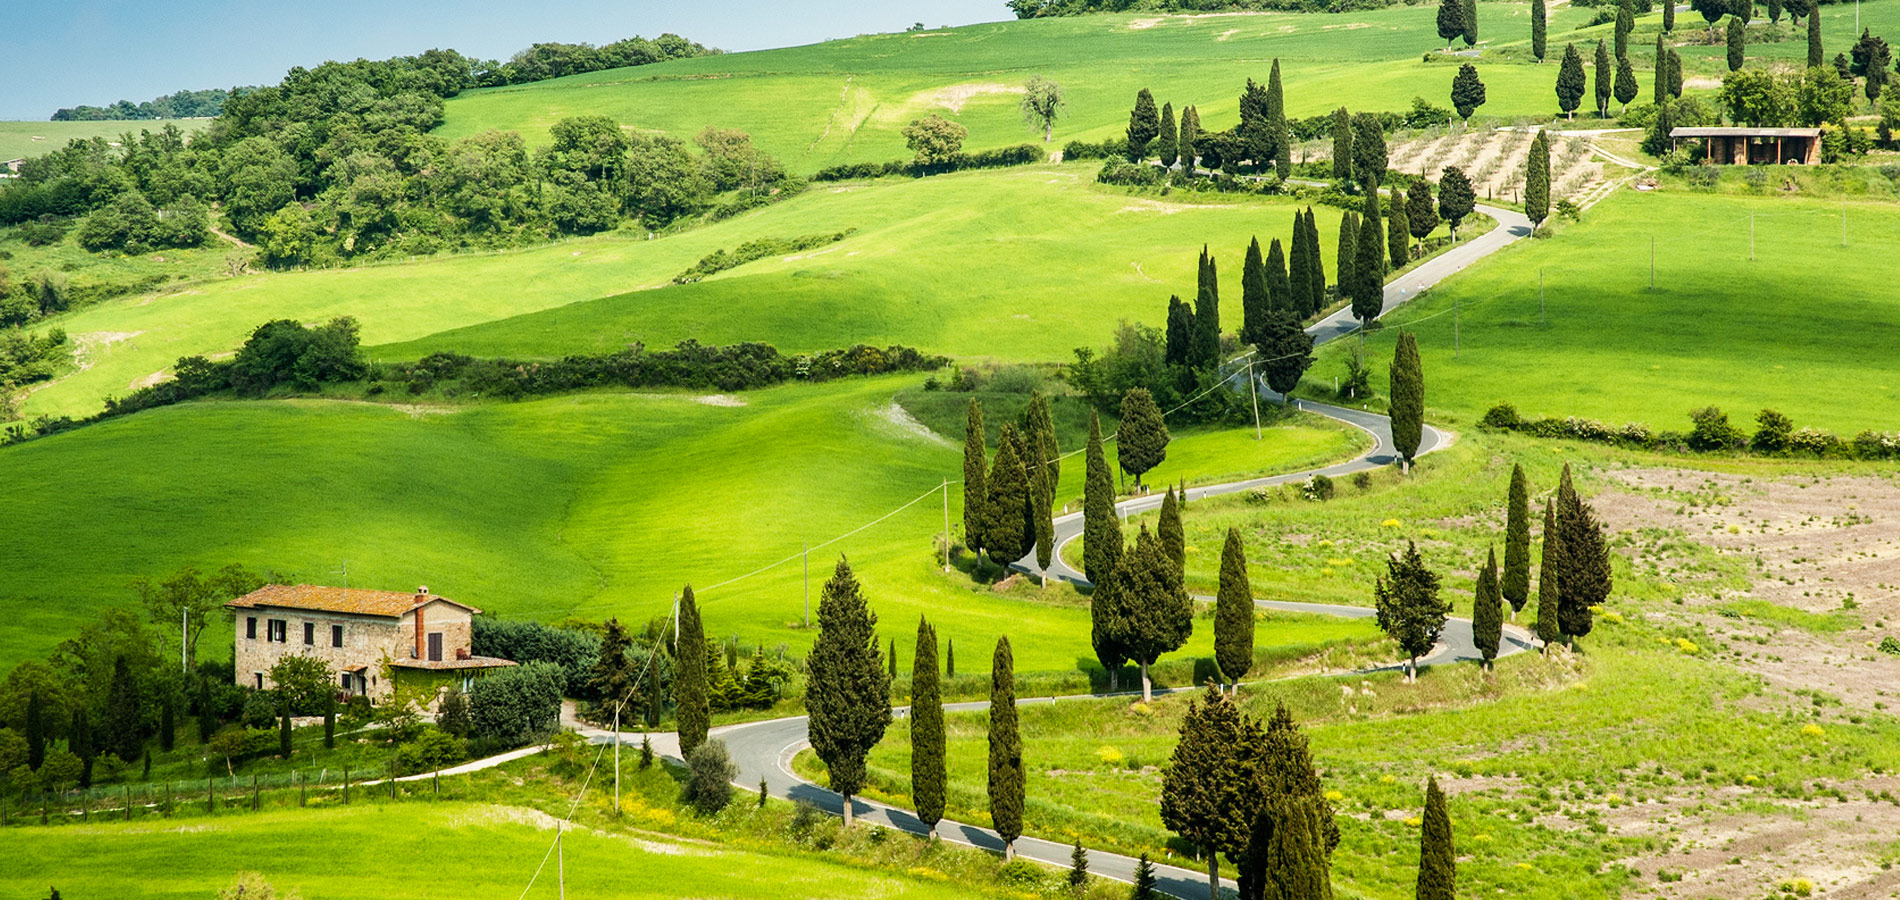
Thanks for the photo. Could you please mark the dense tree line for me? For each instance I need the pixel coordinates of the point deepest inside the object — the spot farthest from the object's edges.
(1033, 9)
(181, 105)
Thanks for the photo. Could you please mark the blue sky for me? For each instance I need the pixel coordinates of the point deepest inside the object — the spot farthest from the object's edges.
(56, 53)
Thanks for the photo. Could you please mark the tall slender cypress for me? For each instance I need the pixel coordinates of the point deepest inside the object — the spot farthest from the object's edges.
(1537, 180)
(890, 660)
(1316, 266)
(1368, 265)
(1280, 136)
(1516, 584)
(975, 477)
(1549, 573)
(1342, 141)
(1421, 212)
(1487, 611)
(1816, 58)
(1101, 530)
(1008, 532)
(1451, 21)
(1006, 751)
(692, 698)
(1398, 232)
(125, 713)
(1299, 295)
(1167, 138)
(1155, 615)
(1041, 496)
(1039, 434)
(1279, 286)
(1407, 407)
(1587, 576)
(1256, 298)
(1207, 315)
(1605, 79)
(1190, 135)
(927, 772)
(1570, 81)
(1471, 23)
(1660, 91)
(1233, 613)
(1675, 73)
(1347, 255)
(1737, 35)
(1539, 27)
(1173, 536)
(1625, 23)
(1437, 863)
(1143, 125)
(849, 695)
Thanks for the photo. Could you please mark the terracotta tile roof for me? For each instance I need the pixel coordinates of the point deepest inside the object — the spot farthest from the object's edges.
(340, 600)
(473, 662)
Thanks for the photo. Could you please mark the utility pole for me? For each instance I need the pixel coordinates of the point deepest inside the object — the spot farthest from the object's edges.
(617, 756)
(560, 858)
(946, 534)
(1253, 387)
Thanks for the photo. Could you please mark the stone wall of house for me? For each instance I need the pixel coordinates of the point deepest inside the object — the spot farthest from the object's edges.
(454, 623)
(366, 640)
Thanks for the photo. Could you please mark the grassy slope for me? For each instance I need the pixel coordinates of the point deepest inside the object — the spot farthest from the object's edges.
(594, 505)
(1718, 330)
(469, 850)
(37, 138)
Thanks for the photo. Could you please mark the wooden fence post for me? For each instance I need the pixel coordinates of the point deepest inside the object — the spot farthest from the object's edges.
(346, 785)
(128, 803)
(253, 792)
(303, 790)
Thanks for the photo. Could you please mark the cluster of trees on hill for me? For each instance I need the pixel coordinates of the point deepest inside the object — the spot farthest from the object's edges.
(181, 105)
(1032, 9)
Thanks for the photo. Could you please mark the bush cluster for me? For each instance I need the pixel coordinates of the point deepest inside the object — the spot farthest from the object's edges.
(1019, 155)
(721, 260)
(1710, 432)
(691, 365)
(574, 650)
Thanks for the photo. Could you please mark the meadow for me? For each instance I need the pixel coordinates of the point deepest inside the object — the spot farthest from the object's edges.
(1719, 328)
(18, 139)
(589, 505)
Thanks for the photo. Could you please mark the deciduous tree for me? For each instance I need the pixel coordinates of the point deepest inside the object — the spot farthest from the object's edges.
(1042, 103)
(1006, 751)
(849, 693)
(1410, 612)
(1233, 613)
(934, 139)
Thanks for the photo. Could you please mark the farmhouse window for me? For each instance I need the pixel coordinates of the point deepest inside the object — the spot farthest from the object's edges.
(435, 646)
(250, 628)
(277, 630)
(260, 679)
(346, 681)
(309, 634)
(336, 635)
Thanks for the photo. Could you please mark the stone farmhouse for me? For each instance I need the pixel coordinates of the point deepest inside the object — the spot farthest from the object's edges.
(374, 641)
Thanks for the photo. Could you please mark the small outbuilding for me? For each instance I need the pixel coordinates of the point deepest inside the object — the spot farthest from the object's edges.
(1754, 146)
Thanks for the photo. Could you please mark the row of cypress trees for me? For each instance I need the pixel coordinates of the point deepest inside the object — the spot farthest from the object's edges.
(1009, 508)
(1263, 135)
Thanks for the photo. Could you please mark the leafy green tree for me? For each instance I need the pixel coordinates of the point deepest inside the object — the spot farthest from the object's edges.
(1571, 82)
(1287, 352)
(1144, 124)
(1761, 99)
(1233, 613)
(1605, 80)
(1256, 299)
(1824, 97)
(1586, 580)
(1206, 343)
(1456, 199)
(1712, 12)
(1173, 537)
(1368, 151)
(1451, 21)
(1006, 751)
(1167, 137)
(1539, 28)
(1368, 289)
(451, 714)
(1537, 180)
(1625, 23)
(125, 713)
(1421, 211)
(1101, 529)
(709, 775)
(1437, 863)
(1737, 43)
(1143, 436)
(191, 598)
(1407, 407)
(1549, 573)
(1471, 23)
(1625, 88)
(1280, 137)
(1342, 140)
(1279, 287)
(1042, 103)
(1410, 612)
(1398, 232)
(692, 697)
(1008, 535)
(1156, 614)
(1487, 611)
(848, 697)
(1516, 584)
(1201, 799)
(927, 772)
(934, 139)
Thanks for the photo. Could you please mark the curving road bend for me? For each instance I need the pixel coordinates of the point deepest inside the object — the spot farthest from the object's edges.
(763, 751)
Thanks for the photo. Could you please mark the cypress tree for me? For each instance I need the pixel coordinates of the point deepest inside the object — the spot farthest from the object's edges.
(329, 721)
(1316, 266)
(1233, 613)
(1179, 347)
(1143, 436)
(1143, 126)
(1456, 199)
(975, 477)
(1042, 496)
(949, 658)
(1407, 407)
(1342, 140)
(1586, 580)
(1190, 134)
(1570, 82)
(1368, 294)
(1167, 137)
(890, 660)
(1539, 27)
(1437, 864)
(1039, 436)
(1206, 344)
(1200, 798)
(283, 719)
(1346, 255)
(1487, 611)
(1605, 80)
(1280, 138)
(1816, 58)
(1107, 610)
(1625, 88)
(1737, 43)
(1410, 611)
(167, 723)
(692, 676)
(1675, 73)
(125, 713)
(35, 731)
(1537, 180)
(1299, 297)
(1078, 867)
(1660, 90)
(1288, 854)
(1421, 212)
(1471, 23)
(1006, 529)
(1369, 157)
(1253, 133)
(1467, 91)
(1451, 21)
(1173, 537)
(79, 741)
(1156, 615)
(1101, 530)
(1279, 284)
(1288, 352)
(849, 695)
(1006, 751)
(1144, 887)
(1398, 232)
(927, 772)
(1516, 584)
(1669, 18)
(1625, 23)
(1256, 298)
(1549, 573)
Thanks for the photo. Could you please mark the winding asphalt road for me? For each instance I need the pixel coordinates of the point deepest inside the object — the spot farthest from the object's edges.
(763, 751)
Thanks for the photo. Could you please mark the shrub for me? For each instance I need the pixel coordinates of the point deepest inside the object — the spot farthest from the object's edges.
(1712, 430)
(1815, 442)
(1113, 148)
(720, 260)
(1502, 416)
(516, 705)
(1362, 480)
(1875, 445)
(1772, 431)
(709, 777)
(1890, 645)
(451, 714)
(572, 649)
(432, 749)
(260, 710)
(1317, 487)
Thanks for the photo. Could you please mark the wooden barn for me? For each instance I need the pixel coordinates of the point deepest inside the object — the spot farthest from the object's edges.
(1754, 146)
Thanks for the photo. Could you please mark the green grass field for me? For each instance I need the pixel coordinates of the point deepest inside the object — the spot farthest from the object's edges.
(29, 139)
(591, 505)
(1719, 329)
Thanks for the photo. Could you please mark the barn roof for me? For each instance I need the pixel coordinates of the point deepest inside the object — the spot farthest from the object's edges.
(339, 600)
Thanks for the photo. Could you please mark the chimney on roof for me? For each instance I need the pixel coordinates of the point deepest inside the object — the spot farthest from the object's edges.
(417, 653)
(422, 591)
